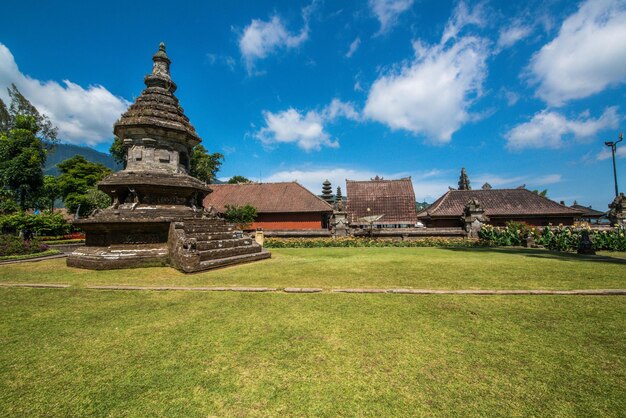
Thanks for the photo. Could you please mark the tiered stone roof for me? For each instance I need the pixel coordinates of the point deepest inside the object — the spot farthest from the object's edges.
(157, 107)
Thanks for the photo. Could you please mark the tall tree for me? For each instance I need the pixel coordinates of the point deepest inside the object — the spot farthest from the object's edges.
(5, 118)
(204, 166)
(77, 184)
(22, 158)
(21, 106)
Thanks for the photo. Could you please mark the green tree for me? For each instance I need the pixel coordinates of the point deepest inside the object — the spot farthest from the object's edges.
(22, 158)
(242, 216)
(49, 193)
(20, 106)
(8, 203)
(5, 118)
(238, 180)
(204, 166)
(118, 152)
(77, 184)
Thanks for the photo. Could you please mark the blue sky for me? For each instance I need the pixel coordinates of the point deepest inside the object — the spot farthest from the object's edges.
(516, 92)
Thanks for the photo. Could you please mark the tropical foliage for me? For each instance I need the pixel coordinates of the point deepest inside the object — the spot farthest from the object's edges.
(242, 216)
(559, 238)
(77, 185)
(42, 224)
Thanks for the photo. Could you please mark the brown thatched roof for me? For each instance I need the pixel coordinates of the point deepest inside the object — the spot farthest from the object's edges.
(266, 197)
(497, 202)
(393, 199)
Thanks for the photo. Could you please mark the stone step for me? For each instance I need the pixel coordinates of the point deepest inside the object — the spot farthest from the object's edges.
(223, 243)
(189, 229)
(205, 221)
(228, 261)
(228, 252)
(210, 236)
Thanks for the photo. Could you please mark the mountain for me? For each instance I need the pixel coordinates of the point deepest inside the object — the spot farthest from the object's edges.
(62, 152)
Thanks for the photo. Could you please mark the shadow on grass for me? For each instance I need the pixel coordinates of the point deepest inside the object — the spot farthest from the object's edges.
(542, 253)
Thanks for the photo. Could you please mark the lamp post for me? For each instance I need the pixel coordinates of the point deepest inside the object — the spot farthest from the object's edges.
(613, 145)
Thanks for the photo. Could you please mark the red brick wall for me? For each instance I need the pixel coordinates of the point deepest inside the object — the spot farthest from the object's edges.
(282, 221)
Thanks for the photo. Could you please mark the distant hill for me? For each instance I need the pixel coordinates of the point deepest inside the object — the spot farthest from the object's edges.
(62, 152)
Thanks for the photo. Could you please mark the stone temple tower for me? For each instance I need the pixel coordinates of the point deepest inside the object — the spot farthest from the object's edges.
(156, 216)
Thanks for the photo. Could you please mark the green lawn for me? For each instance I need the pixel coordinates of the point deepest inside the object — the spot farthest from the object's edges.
(75, 352)
(80, 352)
(435, 268)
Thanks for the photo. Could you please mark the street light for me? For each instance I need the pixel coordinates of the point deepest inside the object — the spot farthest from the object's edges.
(613, 146)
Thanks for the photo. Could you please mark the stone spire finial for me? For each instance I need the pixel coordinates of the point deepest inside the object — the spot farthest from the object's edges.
(464, 183)
(160, 75)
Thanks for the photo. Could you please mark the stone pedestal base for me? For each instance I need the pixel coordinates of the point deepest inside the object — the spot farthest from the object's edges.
(119, 256)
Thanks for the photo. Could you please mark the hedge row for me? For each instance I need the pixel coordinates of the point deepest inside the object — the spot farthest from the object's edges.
(348, 242)
(42, 224)
(560, 238)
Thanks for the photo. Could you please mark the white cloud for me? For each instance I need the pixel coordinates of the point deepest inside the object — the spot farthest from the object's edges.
(225, 60)
(388, 11)
(304, 129)
(510, 96)
(262, 38)
(337, 108)
(84, 116)
(549, 129)
(461, 17)
(353, 47)
(291, 126)
(500, 181)
(587, 56)
(432, 94)
(511, 35)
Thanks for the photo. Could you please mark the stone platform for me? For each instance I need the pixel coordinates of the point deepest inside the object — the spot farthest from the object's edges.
(191, 245)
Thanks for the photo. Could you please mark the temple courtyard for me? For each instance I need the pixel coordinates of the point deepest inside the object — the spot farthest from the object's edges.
(224, 353)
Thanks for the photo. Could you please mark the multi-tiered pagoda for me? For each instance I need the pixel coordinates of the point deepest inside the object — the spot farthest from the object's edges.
(157, 216)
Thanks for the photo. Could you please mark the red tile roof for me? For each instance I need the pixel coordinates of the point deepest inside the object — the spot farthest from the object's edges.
(394, 199)
(497, 202)
(266, 197)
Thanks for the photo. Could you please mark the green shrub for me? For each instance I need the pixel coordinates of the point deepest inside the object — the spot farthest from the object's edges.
(12, 245)
(42, 224)
(559, 238)
(242, 216)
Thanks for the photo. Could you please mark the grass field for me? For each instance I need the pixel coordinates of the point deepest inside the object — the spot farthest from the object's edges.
(434, 268)
(79, 352)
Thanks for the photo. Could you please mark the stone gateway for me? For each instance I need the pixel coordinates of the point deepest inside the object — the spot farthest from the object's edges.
(157, 217)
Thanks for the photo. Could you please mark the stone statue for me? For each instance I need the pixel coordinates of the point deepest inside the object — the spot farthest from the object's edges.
(617, 210)
(473, 217)
(585, 246)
